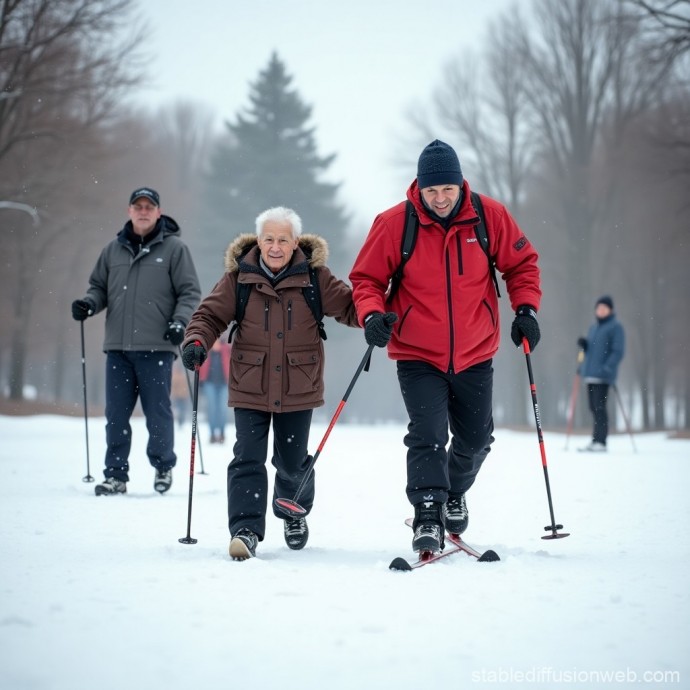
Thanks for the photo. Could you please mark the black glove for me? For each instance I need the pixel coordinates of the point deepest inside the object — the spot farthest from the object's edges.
(378, 328)
(525, 326)
(81, 309)
(193, 355)
(175, 333)
(582, 344)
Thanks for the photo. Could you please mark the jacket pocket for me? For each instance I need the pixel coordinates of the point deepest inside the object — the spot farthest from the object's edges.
(304, 372)
(402, 321)
(246, 371)
(491, 312)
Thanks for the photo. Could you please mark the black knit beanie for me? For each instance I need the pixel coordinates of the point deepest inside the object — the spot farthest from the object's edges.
(438, 164)
(605, 300)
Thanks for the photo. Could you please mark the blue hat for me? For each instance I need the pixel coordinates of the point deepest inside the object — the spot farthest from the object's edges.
(438, 164)
(607, 301)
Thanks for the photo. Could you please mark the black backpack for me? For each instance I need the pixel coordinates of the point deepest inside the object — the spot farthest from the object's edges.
(410, 238)
(311, 292)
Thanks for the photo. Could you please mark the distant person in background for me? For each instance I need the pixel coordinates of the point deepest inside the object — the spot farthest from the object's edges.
(146, 280)
(180, 394)
(213, 375)
(604, 348)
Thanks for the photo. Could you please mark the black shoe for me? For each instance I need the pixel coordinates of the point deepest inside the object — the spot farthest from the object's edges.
(111, 486)
(163, 481)
(455, 514)
(428, 527)
(296, 533)
(243, 544)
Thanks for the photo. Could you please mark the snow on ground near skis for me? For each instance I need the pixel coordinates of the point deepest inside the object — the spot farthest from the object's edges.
(97, 592)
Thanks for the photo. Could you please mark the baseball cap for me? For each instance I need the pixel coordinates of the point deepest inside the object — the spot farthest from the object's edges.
(146, 192)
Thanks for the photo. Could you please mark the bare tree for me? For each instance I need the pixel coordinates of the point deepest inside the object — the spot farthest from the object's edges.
(667, 22)
(64, 66)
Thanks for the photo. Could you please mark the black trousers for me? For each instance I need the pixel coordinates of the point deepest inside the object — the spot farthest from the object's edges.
(598, 394)
(435, 401)
(247, 476)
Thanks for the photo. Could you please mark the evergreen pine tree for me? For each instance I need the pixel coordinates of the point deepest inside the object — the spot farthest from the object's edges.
(268, 157)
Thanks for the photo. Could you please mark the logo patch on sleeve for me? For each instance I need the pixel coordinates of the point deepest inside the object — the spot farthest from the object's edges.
(520, 243)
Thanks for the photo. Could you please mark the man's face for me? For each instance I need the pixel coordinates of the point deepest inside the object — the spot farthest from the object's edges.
(602, 311)
(144, 215)
(441, 199)
(277, 244)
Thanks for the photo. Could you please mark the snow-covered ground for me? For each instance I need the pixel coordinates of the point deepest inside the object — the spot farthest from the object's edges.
(98, 592)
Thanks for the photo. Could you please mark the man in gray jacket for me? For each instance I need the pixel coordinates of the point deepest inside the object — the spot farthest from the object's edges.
(146, 280)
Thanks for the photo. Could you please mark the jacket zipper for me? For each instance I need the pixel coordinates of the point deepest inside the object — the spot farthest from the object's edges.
(289, 310)
(266, 315)
(450, 313)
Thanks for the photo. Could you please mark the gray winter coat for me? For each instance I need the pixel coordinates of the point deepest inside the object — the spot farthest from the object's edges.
(144, 291)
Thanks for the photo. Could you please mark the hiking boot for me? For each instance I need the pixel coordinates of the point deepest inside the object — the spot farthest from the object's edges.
(296, 533)
(428, 527)
(455, 514)
(593, 447)
(243, 544)
(163, 481)
(111, 486)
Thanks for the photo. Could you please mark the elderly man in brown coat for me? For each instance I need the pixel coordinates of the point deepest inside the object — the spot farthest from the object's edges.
(276, 371)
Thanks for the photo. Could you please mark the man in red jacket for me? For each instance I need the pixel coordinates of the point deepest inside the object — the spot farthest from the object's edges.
(441, 326)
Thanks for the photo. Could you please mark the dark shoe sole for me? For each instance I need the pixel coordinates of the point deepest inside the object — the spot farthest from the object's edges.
(162, 487)
(428, 545)
(296, 547)
(451, 527)
(100, 491)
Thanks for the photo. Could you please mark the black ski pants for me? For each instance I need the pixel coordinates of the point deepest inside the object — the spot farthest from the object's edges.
(598, 394)
(247, 475)
(436, 400)
(144, 375)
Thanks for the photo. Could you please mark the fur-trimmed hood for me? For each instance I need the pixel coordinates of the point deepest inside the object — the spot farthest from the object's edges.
(314, 247)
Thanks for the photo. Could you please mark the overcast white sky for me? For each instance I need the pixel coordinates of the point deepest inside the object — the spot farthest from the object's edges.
(358, 63)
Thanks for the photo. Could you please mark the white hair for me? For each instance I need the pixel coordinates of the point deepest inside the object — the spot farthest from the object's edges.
(280, 214)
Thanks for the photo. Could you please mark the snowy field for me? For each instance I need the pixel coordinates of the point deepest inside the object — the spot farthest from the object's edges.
(98, 593)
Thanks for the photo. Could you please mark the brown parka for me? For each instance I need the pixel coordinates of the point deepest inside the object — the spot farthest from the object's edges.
(277, 359)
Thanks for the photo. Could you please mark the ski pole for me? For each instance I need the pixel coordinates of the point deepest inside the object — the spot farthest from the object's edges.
(291, 507)
(195, 403)
(191, 397)
(625, 417)
(88, 477)
(553, 527)
(573, 400)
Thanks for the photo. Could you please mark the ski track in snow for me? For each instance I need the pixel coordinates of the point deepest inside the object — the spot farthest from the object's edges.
(97, 591)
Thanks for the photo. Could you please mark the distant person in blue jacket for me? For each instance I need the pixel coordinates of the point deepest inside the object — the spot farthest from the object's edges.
(604, 347)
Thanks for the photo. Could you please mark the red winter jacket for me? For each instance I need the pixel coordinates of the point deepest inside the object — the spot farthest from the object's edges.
(205, 368)
(447, 305)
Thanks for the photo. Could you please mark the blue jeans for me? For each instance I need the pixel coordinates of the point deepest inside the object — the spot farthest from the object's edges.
(216, 407)
(129, 376)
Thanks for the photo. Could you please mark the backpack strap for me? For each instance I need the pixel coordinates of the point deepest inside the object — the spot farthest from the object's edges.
(409, 240)
(483, 237)
(242, 297)
(312, 293)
